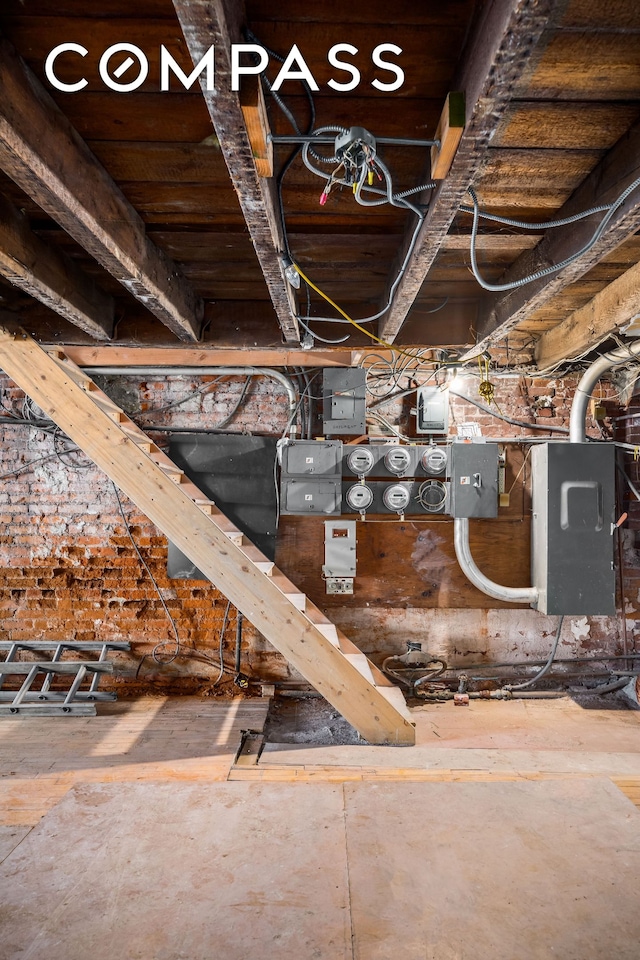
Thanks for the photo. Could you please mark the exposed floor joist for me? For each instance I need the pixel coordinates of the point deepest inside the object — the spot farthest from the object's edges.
(616, 171)
(219, 22)
(45, 156)
(612, 308)
(493, 60)
(51, 276)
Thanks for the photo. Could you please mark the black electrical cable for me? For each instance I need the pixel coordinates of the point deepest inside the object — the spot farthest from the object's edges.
(545, 669)
(154, 653)
(511, 420)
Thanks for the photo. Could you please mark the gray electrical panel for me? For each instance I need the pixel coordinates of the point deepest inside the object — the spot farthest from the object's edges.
(572, 526)
(343, 400)
(312, 458)
(432, 410)
(300, 496)
(311, 477)
(474, 479)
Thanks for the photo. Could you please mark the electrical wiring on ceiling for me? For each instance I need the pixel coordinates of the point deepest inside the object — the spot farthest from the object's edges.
(610, 210)
(358, 166)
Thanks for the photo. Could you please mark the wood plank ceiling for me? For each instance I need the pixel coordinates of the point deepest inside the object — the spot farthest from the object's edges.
(180, 240)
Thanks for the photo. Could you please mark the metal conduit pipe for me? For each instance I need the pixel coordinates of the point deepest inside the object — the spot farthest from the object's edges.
(283, 380)
(477, 578)
(614, 358)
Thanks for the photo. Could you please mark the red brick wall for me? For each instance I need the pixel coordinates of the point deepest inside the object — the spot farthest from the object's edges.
(67, 567)
(68, 570)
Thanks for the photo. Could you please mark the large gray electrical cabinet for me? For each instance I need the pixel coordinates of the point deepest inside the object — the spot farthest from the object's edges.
(343, 400)
(311, 477)
(572, 527)
(474, 480)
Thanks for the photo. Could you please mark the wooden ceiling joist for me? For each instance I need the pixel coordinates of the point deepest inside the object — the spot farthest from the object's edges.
(51, 276)
(614, 307)
(45, 156)
(494, 58)
(219, 22)
(617, 170)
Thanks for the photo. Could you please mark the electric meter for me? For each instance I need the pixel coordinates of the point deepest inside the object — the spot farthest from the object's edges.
(359, 497)
(398, 460)
(360, 461)
(434, 461)
(396, 497)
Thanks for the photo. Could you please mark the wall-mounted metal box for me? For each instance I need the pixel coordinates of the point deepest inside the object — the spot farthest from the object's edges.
(343, 400)
(432, 410)
(474, 479)
(312, 458)
(318, 497)
(571, 531)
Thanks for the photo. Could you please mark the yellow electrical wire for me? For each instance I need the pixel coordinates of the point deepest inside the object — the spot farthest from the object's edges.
(335, 306)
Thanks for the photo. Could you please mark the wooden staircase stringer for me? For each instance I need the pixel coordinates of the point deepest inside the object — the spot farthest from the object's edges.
(262, 593)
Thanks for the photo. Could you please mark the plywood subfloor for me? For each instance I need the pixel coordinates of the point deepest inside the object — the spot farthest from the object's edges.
(505, 741)
(373, 871)
(153, 738)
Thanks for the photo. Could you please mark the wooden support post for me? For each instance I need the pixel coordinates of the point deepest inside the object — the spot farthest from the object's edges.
(448, 132)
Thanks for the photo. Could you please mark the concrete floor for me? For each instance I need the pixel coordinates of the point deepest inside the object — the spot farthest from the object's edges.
(128, 842)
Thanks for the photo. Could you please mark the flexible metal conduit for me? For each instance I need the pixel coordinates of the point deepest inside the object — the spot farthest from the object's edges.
(614, 358)
(477, 578)
(283, 380)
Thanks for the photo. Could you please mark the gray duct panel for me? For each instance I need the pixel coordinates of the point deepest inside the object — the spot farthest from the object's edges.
(571, 532)
(237, 473)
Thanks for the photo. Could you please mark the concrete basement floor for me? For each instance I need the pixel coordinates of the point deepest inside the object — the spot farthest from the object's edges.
(505, 834)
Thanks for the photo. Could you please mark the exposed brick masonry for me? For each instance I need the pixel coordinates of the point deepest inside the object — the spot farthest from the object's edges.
(69, 572)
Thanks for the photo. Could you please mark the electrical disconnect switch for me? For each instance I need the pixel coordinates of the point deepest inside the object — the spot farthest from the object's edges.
(339, 568)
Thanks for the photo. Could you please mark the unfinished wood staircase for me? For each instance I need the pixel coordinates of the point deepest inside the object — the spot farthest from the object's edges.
(266, 597)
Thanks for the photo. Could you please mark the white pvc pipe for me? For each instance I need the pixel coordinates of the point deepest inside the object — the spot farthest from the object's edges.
(477, 578)
(615, 358)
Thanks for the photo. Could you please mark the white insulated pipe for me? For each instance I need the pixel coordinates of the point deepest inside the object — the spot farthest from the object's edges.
(477, 578)
(614, 358)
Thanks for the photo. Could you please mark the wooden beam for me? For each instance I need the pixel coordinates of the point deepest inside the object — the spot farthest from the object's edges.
(51, 276)
(123, 356)
(612, 308)
(254, 111)
(45, 156)
(501, 40)
(448, 132)
(219, 22)
(613, 174)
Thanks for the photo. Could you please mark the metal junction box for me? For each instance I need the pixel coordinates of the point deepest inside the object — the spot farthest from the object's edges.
(572, 527)
(432, 410)
(474, 479)
(343, 400)
(312, 458)
(300, 496)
